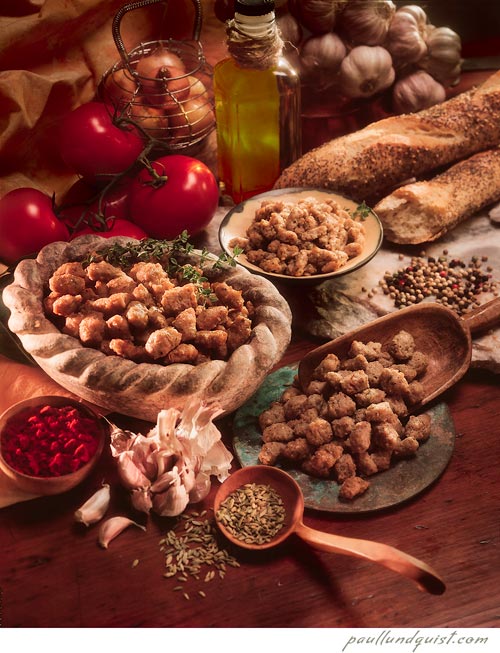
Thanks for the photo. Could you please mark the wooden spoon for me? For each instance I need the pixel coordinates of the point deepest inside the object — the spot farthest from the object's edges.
(293, 499)
(437, 331)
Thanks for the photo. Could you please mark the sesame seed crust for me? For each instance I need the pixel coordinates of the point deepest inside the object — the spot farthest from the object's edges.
(369, 163)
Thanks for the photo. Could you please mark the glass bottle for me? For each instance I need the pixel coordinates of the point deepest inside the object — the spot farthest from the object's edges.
(257, 105)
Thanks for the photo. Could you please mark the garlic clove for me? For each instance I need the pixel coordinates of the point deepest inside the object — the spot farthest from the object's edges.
(141, 500)
(171, 503)
(130, 474)
(112, 527)
(201, 488)
(94, 509)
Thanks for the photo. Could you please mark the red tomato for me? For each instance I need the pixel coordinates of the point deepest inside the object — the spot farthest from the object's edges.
(113, 204)
(186, 200)
(116, 227)
(91, 144)
(27, 223)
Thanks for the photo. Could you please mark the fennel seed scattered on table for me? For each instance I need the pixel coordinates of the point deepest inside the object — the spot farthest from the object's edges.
(253, 513)
(191, 545)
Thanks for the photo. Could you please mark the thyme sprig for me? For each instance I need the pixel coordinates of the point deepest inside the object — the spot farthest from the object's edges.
(170, 254)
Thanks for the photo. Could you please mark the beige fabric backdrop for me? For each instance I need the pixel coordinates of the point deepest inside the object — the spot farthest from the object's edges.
(52, 56)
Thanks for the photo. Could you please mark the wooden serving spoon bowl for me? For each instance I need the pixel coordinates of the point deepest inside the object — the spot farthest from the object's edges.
(293, 500)
(438, 332)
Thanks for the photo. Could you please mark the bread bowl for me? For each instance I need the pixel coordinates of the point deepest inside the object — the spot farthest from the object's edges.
(141, 389)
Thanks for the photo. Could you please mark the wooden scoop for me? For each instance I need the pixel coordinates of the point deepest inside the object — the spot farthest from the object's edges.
(438, 332)
(383, 554)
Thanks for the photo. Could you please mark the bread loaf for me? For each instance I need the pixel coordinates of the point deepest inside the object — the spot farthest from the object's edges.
(370, 163)
(423, 211)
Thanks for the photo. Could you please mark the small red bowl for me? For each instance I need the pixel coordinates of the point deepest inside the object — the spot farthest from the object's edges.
(47, 485)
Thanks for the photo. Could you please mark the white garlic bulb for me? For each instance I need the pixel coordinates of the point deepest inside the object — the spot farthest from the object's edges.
(416, 91)
(322, 55)
(406, 39)
(365, 71)
(417, 13)
(366, 23)
(443, 60)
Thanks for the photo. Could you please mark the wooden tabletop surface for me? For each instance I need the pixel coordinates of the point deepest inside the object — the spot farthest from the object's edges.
(53, 573)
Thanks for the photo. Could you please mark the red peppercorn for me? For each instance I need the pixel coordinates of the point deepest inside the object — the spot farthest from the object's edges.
(52, 441)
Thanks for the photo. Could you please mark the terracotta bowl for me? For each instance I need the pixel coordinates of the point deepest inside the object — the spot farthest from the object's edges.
(47, 485)
(142, 389)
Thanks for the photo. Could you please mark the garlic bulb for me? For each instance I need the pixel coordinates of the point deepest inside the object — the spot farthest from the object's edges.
(171, 465)
(443, 60)
(416, 92)
(322, 55)
(417, 13)
(366, 70)
(290, 30)
(405, 39)
(318, 16)
(367, 23)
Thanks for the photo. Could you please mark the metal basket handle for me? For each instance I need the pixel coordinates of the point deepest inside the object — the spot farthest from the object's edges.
(145, 3)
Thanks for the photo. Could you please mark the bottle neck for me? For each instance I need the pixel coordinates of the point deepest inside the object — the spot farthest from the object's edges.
(256, 27)
(254, 41)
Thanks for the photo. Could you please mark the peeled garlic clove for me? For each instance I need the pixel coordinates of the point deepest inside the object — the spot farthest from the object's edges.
(113, 527)
(94, 509)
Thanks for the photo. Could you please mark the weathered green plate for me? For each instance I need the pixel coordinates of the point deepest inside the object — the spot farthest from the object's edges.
(404, 480)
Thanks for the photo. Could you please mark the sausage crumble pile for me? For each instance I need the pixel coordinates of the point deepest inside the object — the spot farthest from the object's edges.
(302, 238)
(147, 316)
(352, 420)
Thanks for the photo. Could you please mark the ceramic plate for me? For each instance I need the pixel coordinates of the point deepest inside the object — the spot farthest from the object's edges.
(237, 221)
(404, 480)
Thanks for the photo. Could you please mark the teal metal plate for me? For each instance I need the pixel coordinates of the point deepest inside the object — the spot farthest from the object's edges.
(403, 481)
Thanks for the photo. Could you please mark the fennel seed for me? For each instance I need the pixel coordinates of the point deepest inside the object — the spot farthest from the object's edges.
(191, 545)
(253, 513)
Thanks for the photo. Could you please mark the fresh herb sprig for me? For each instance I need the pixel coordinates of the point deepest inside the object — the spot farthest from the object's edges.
(362, 211)
(168, 253)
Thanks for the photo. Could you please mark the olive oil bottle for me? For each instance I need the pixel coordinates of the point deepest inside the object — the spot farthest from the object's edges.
(257, 104)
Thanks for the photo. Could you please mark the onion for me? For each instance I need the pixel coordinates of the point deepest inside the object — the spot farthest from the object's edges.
(170, 87)
(149, 65)
(152, 119)
(195, 117)
(120, 87)
(320, 54)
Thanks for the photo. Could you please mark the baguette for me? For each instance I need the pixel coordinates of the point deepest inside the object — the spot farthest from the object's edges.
(423, 211)
(370, 163)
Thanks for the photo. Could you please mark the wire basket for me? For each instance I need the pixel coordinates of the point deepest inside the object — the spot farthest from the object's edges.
(164, 87)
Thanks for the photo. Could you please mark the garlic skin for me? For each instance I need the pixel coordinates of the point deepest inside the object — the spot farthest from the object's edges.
(94, 509)
(365, 71)
(417, 13)
(406, 39)
(443, 60)
(321, 56)
(112, 527)
(171, 466)
(367, 23)
(318, 16)
(416, 91)
(290, 30)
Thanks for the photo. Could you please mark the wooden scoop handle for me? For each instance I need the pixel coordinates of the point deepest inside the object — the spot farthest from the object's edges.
(483, 317)
(402, 563)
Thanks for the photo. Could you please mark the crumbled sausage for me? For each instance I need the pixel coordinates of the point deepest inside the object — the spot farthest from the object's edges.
(303, 238)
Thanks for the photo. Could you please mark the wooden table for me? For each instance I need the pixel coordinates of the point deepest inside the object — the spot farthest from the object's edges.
(53, 574)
